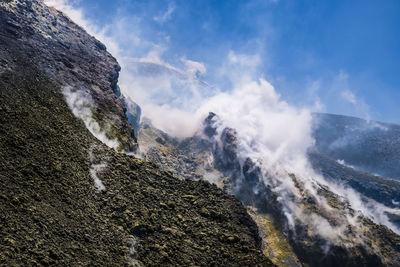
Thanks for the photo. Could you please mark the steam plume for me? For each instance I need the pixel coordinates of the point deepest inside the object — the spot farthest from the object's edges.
(81, 105)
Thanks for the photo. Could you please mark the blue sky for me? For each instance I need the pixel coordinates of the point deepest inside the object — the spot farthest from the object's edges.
(334, 56)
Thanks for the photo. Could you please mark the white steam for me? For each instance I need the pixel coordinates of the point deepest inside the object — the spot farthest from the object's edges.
(269, 129)
(132, 253)
(342, 162)
(167, 95)
(94, 169)
(273, 133)
(81, 105)
(277, 136)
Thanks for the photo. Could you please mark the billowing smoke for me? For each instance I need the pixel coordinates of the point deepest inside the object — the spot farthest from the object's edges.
(168, 96)
(270, 131)
(277, 136)
(268, 128)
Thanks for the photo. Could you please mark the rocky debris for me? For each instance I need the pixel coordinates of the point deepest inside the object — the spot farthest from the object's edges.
(358, 245)
(195, 158)
(163, 150)
(69, 56)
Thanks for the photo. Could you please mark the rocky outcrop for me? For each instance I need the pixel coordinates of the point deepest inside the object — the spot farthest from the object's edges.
(214, 157)
(70, 57)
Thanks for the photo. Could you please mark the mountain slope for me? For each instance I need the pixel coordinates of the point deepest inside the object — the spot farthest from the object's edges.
(215, 157)
(65, 197)
(354, 151)
(381, 189)
(370, 146)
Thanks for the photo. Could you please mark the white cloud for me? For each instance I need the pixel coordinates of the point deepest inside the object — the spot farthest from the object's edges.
(244, 60)
(154, 55)
(166, 15)
(193, 67)
(349, 96)
(238, 69)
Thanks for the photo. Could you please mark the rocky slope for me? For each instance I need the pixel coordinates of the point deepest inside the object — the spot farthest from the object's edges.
(68, 55)
(66, 198)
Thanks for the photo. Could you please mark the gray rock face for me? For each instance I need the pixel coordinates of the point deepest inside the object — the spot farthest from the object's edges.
(70, 56)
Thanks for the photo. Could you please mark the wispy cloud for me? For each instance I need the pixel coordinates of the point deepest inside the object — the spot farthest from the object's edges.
(166, 15)
(349, 96)
(313, 90)
(193, 67)
(354, 105)
(245, 60)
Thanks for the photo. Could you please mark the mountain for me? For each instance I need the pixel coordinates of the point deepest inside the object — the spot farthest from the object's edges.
(348, 154)
(354, 151)
(214, 156)
(69, 199)
(74, 192)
